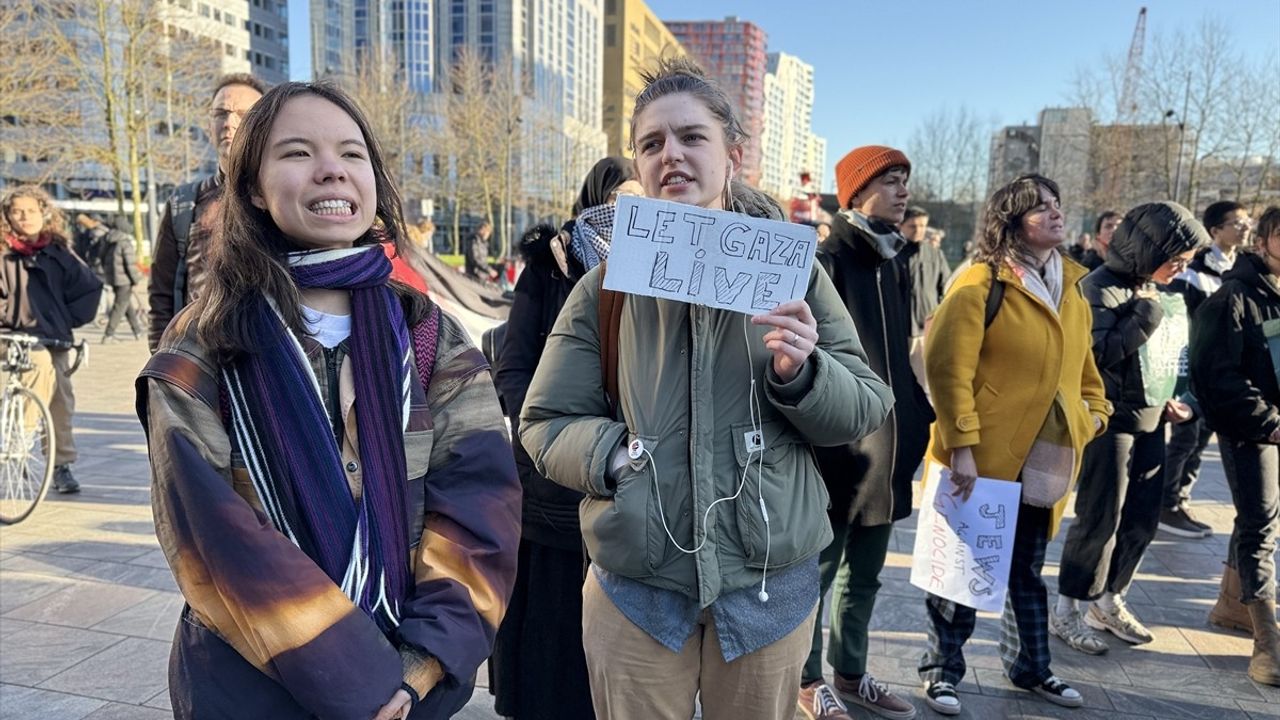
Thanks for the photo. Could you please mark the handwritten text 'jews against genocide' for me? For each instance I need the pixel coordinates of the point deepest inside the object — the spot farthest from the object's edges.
(709, 257)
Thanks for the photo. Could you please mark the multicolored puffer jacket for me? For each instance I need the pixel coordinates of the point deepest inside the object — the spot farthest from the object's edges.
(266, 633)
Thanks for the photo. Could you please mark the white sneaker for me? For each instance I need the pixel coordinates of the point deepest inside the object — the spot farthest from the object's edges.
(1119, 622)
(1071, 630)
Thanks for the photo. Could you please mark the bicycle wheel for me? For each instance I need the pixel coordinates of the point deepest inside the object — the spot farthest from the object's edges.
(26, 446)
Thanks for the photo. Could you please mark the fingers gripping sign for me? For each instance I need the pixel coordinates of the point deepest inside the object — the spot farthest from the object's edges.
(793, 337)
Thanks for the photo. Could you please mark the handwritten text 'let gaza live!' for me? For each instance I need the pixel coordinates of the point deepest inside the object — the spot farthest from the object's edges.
(758, 247)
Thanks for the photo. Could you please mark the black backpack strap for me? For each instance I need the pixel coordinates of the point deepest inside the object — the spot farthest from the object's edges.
(995, 296)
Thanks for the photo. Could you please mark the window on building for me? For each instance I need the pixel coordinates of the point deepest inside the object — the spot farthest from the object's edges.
(205, 10)
(231, 50)
(229, 19)
(610, 35)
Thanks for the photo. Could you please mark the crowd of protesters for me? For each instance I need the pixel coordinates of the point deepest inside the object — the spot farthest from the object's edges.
(354, 531)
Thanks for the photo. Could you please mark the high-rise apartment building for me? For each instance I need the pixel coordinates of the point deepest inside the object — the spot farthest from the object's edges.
(733, 52)
(634, 40)
(789, 147)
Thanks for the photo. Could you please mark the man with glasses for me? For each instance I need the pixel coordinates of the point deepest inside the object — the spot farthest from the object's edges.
(180, 248)
(1229, 225)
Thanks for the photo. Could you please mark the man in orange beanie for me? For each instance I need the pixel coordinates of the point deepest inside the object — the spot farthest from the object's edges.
(869, 480)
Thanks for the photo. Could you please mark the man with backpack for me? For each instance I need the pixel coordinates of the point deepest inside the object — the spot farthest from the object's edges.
(181, 247)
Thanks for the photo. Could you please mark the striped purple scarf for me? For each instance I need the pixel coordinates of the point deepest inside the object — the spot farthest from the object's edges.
(293, 458)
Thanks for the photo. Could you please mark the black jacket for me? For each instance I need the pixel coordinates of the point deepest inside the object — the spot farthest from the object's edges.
(47, 294)
(1231, 362)
(178, 264)
(926, 269)
(1123, 320)
(870, 480)
(550, 510)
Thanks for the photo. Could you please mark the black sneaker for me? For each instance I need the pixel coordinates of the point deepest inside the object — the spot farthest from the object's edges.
(1176, 521)
(942, 698)
(63, 481)
(1059, 693)
(1186, 511)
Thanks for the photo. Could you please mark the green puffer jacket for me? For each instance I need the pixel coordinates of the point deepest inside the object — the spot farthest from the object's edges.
(686, 392)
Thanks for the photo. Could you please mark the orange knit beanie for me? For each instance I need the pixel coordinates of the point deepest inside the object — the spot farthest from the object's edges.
(861, 166)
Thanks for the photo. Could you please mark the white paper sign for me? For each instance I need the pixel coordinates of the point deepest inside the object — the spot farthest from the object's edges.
(964, 548)
(709, 257)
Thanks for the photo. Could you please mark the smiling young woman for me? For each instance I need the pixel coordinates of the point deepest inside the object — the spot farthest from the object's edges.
(299, 446)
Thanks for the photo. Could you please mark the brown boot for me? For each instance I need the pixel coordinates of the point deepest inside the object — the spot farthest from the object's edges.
(1229, 612)
(1264, 666)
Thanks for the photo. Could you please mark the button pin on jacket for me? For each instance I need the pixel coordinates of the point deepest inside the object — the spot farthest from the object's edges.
(635, 449)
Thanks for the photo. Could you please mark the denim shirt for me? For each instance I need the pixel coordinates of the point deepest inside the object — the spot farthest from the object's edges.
(743, 622)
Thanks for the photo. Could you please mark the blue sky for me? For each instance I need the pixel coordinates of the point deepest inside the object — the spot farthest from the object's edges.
(881, 67)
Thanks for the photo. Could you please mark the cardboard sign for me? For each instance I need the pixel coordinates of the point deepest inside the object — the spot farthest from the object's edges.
(964, 548)
(709, 257)
(1159, 356)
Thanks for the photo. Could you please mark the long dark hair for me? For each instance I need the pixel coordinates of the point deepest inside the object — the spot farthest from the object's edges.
(1002, 221)
(247, 256)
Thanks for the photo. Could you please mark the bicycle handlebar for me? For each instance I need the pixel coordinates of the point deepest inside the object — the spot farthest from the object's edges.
(81, 349)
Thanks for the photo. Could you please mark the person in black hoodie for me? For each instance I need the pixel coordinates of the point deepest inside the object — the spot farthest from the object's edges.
(1235, 367)
(538, 669)
(869, 480)
(1121, 485)
(45, 291)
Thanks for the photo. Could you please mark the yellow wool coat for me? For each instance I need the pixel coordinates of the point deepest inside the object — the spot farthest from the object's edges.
(992, 389)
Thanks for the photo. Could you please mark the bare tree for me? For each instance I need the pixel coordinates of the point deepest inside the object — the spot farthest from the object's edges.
(486, 130)
(1252, 133)
(36, 93)
(398, 113)
(949, 151)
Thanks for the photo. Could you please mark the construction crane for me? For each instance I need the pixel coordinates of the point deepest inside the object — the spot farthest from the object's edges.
(1118, 167)
(1126, 104)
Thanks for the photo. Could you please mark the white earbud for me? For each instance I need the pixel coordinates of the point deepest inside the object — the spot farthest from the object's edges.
(636, 449)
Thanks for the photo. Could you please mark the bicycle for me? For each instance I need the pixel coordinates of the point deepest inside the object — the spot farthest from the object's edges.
(26, 429)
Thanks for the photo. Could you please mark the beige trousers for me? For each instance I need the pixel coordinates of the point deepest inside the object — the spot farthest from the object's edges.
(49, 380)
(917, 364)
(633, 677)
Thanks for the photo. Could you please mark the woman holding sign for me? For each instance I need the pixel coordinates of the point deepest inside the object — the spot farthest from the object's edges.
(1017, 395)
(704, 512)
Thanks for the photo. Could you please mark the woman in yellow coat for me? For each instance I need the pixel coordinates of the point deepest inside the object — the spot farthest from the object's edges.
(1017, 397)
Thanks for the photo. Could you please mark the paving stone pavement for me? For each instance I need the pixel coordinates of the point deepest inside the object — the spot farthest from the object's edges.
(88, 607)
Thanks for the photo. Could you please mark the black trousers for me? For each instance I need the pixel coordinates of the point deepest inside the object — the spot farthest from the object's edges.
(1118, 501)
(1253, 474)
(1182, 461)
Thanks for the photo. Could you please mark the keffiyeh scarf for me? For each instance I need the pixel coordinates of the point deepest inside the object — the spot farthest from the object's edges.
(592, 230)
